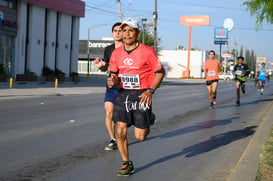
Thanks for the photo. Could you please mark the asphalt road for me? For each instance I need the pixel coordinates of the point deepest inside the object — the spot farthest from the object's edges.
(62, 137)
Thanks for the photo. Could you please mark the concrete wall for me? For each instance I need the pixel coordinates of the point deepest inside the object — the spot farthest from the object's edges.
(175, 62)
(20, 42)
(64, 42)
(51, 39)
(75, 44)
(35, 55)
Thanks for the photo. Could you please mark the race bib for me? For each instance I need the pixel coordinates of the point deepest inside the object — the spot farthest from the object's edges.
(130, 81)
(211, 73)
(262, 73)
(238, 72)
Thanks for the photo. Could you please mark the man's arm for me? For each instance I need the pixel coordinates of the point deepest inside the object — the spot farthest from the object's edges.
(112, 80)
(247, 70)
(159, 75)
(146, 97)
(204, 67)
(222, 67)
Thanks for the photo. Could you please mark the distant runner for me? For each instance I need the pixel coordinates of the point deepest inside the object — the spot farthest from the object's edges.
(212, 76)
(141, 73)
(261, 76)
(241, 73)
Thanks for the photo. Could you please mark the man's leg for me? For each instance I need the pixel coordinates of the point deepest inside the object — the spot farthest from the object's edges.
(243, 88)
(122, 141)
(141, 134)
(209, 93)
(127, 167)
(214, 91)
(109, 123)
(262, 87)
(238, 85)
(238, 91)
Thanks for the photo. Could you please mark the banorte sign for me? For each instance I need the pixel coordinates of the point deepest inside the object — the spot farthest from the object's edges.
(194, 20)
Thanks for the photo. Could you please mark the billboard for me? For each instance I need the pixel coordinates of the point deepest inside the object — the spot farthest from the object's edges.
(261, 59)
(194, 20)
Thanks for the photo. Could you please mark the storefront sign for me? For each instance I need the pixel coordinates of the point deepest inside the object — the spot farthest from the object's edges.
(220, 33)
(98, 44)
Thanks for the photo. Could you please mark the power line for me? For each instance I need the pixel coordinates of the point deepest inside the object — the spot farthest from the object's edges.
(201, 5)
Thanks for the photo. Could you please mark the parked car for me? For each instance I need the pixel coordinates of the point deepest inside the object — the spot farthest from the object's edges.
(229, 76)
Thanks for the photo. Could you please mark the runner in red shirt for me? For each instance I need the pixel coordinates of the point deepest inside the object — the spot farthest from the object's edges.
(141, 73)
(212, 76)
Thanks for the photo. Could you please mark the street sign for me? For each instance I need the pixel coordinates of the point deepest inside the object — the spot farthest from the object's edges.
(220, 42)
(226, 55)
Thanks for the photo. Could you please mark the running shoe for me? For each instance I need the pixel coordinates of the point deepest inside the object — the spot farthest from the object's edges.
(238, 102)
(153, 119)
(214, 101)
(262, 91)
(211, 105)
(111, 146)
(126, 169)
(259, 90)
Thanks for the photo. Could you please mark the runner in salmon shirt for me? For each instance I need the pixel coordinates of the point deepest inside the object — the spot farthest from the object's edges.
(212, 76)
(141, 73)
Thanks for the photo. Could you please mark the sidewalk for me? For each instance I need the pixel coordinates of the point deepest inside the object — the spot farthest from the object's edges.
(42, 88)
(95, 84)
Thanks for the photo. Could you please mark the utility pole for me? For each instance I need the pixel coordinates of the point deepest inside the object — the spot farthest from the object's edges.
(120, 13)
(155, 26)
(143, 27)
(235, 53)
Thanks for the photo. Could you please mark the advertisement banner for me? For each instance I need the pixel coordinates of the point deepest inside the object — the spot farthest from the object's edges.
(261, 59)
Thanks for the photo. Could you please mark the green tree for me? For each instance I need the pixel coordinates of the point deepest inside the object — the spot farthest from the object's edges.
(241, 50)
(250, 59)
(263, 9)
(147, 39)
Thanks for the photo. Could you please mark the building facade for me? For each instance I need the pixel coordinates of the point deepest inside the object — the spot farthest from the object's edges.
(36, 33)
(175, 63)
(95, 48)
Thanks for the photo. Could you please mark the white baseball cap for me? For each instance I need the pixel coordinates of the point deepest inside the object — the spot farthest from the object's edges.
(130, 22)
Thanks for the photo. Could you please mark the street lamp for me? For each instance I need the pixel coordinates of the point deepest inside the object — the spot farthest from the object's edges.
(143, 26)
(88, 51)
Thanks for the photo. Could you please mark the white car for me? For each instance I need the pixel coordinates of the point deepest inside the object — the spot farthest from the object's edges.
(229, 76)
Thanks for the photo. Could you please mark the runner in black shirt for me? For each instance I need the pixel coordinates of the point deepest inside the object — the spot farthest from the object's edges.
(111, 93)
(241, 73)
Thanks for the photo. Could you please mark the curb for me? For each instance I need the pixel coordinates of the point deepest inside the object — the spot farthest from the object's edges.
(247, 166)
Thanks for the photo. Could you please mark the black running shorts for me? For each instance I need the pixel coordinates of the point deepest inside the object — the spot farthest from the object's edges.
(240, 82)
(208, 83)
(129, 110)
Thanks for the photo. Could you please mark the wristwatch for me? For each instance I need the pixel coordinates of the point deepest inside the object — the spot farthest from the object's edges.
(151, 90)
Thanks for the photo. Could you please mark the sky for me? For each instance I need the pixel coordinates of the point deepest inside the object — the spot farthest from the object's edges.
(100, 15)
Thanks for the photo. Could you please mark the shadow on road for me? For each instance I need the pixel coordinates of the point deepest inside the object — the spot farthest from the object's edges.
(246, 103)
(213, 143)
(197, 127)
